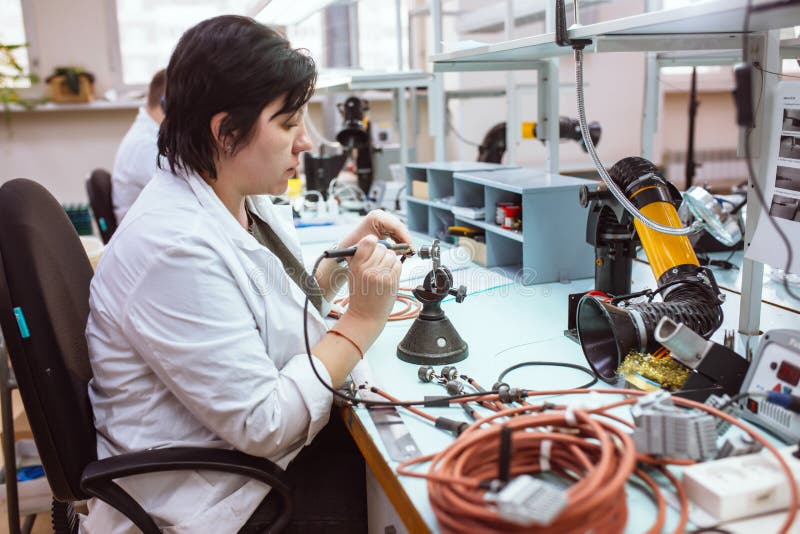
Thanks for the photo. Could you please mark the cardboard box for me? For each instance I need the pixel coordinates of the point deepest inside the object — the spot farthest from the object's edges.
(419, 189)
(475, 249)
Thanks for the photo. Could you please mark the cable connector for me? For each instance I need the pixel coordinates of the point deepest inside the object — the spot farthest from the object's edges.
(738, 445)
(511, 394)
(730, 408)
(454, 387)
(790, 402)
(436, 401)
(451, 425)
(528, 501)
(662, 429)
(347, 389)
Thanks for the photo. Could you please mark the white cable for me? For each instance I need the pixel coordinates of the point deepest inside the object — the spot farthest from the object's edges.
(610, 184)
(317, 137)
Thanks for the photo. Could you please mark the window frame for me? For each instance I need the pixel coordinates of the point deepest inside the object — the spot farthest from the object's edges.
(31, 37)
(115, 52)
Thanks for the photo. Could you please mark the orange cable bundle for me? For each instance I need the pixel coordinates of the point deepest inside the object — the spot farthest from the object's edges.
(410, 310)
(591, 450)
(598, 469)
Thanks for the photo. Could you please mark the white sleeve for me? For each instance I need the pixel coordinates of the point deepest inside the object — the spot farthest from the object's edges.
(190, 322)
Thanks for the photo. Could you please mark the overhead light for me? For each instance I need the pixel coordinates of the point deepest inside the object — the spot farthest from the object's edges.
(286, 12)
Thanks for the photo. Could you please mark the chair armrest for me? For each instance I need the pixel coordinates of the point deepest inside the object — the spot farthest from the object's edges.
(98, 477)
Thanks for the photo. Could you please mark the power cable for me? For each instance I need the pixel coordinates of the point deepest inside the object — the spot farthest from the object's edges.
(581, 368)
(757, 65)
(461, 138)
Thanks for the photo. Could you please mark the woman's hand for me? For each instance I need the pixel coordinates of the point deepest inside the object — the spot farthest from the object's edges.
(381, 224)
(378, 223)
(374, 278)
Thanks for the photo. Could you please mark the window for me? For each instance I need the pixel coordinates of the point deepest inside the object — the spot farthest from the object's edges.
(12, 32)
(377, 34)
(307, 34)
(148, 31)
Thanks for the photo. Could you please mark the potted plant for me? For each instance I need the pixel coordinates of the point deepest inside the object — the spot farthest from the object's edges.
(71, 84)
(11, 74)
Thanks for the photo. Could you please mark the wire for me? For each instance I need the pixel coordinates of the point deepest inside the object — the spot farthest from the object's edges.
(581, 368)
(757, 65)
(410, 310)
(586, 449)
(613, 188)
(397, 198)
(355, 400)
(458, 135)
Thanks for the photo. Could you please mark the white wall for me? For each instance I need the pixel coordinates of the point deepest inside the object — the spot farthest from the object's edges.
(614, 95)
(60, 148)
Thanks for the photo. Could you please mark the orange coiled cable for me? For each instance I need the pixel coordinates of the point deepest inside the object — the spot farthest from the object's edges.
(410, 310)
(589, 449)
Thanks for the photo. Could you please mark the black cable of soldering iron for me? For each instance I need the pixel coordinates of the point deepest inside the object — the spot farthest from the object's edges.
(553, 364)
(749, 159)
(356, 400)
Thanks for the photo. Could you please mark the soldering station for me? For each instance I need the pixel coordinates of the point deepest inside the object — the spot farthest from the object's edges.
(577, 344)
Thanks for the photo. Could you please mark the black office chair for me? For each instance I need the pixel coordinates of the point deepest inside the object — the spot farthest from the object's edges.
(44, 307)
(98, 187)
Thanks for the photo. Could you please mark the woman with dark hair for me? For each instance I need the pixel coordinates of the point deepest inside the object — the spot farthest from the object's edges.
(195, 330)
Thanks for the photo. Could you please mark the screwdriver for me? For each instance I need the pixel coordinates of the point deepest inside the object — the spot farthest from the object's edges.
(404, 248)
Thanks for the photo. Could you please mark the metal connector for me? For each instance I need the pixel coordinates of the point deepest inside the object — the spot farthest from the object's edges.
(529, 501)
(684, 343)
(663, 429)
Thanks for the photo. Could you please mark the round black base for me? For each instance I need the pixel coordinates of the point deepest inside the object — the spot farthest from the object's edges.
(432, 342)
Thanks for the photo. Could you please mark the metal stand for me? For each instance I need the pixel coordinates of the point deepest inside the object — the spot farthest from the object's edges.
(432, 338)
(7, 384)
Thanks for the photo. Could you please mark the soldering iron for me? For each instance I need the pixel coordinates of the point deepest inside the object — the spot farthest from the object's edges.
(404, 248)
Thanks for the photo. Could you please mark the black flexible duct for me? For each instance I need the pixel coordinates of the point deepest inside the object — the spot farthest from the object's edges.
(608, 332)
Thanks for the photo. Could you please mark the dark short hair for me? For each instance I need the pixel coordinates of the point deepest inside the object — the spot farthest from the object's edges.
(227, 64)
(156, 89)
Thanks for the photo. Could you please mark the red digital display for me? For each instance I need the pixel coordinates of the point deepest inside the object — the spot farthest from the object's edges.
(789, 373)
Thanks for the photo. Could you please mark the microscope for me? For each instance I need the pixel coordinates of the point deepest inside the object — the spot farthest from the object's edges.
(356, 139)
(432, 338)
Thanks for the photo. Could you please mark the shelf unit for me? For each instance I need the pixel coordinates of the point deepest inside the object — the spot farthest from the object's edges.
(543, 251)
(433, 216)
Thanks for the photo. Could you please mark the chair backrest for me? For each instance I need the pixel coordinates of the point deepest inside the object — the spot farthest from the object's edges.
(44, 307)
(98, 187)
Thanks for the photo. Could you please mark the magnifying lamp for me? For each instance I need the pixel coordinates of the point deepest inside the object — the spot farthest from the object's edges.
(721, 225)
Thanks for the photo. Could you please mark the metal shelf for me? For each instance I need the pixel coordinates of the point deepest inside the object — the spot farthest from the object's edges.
(96, 105)
(430, 203)
(489, 227)
(333, 81)
(715, 25)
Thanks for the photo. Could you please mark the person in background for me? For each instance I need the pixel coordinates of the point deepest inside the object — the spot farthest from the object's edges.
(196, 324)
(137, 155)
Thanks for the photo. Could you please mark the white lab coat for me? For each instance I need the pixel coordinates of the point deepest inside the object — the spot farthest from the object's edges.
(195, 339)
(135, 162)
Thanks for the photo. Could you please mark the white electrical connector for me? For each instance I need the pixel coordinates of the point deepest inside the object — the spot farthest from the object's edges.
(529, 501)
(741, 486)
(663, 429)
(717, 401)
(738, 444)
